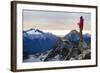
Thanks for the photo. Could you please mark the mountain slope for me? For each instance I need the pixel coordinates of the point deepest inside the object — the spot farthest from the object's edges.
(35, 41)
(74, 37)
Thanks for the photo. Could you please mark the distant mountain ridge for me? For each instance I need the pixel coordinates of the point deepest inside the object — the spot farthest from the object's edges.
(74, 36)
(35, 41)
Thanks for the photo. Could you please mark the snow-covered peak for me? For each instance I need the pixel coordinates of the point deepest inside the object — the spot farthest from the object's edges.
(34, 31)
(34, 34)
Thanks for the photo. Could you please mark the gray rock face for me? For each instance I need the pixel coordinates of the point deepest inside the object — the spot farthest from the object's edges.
(71, 49)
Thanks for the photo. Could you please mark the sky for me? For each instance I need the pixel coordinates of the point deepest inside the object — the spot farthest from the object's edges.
(54, 20)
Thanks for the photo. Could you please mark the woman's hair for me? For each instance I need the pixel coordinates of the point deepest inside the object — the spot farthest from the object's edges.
(81, 17)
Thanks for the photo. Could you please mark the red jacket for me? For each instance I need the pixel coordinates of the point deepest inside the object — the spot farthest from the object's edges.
(81, 23)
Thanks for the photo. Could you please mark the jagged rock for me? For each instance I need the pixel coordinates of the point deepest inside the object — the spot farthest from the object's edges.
(37, 54)
(64, 48)
(87, 56)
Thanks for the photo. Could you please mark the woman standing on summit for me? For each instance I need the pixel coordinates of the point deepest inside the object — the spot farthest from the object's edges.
(81, 24)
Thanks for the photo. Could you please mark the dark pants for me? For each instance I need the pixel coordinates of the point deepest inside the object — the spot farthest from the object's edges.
(81, 41)
(81, 36)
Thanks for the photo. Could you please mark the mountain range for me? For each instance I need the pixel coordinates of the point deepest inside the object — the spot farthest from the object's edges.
(36, 41)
